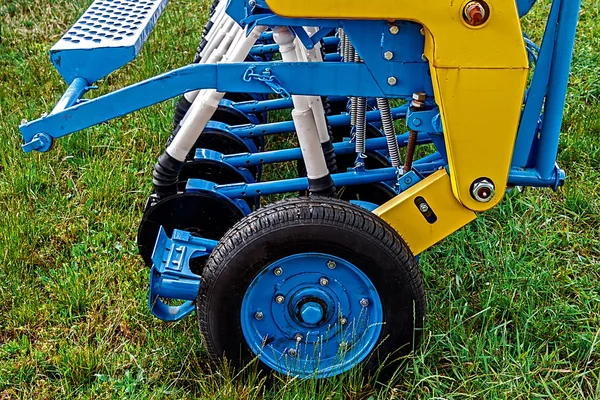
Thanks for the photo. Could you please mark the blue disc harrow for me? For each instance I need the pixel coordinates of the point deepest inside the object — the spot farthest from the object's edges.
(408, 119)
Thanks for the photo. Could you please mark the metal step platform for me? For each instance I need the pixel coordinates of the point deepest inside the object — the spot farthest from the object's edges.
(107, 36)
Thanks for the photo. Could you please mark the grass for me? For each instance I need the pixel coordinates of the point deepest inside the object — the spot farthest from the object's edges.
(514, 298)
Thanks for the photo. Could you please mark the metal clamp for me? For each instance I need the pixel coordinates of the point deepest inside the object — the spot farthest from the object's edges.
(267, 78)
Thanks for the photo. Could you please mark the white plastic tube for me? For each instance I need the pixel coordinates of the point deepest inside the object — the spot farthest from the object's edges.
(206, 103)
(304, 119)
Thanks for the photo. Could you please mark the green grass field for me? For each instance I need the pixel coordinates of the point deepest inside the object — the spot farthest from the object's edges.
(514, 298)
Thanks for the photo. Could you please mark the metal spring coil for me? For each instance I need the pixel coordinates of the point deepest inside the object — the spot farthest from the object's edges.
(361, 125)
(389, 130)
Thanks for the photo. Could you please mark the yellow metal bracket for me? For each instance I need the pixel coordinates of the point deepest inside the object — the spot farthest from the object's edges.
(478, 74)
(443, 213)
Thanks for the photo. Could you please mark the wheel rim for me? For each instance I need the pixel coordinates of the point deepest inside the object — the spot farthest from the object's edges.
(311, 315)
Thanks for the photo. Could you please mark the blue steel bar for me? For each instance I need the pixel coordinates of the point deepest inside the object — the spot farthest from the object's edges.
(263, 105)
(332, 57)
(273, 128)
(246, 190)
(274, 104)
(531, 177)
(536, 93)
(557, 88)
(326, 79)
(269, 157)
(264, 49)
(74, 92)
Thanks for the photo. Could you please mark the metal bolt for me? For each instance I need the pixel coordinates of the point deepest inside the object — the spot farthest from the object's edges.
(324, 281)
(279, 299)
(343, 321)
(474, 13)
(392, 80)
(252, 3)
(422, 32)
(278, 271)
(417, 122)
(424, 57)
(292, 352)
(258, 315)
(298, 337)
(394, 29)
(483, 190)
(388, 55)
(419, 96)
(331, 264)
(364, 302)
(424, 208)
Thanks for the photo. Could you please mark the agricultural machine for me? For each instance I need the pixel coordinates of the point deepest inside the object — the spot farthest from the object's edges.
(411, 117)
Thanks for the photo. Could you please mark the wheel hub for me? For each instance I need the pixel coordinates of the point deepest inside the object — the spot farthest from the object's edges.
(313, 320)
(311, 313)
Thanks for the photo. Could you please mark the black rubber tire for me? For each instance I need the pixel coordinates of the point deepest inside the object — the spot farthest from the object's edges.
(311, 225)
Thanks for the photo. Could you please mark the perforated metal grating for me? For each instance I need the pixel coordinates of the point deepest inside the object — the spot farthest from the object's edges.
(107, 36)
(111, 23)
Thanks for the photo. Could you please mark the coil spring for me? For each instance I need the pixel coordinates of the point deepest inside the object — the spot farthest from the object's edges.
(389, 130)
(361, 125)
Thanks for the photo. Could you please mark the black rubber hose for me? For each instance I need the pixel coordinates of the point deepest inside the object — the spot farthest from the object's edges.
(165, 175)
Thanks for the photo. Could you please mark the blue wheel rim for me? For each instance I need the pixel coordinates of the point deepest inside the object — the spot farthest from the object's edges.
(311, 315)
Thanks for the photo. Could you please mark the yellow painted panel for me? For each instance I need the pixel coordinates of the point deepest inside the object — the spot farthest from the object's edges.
(480, 112)
(404, 216)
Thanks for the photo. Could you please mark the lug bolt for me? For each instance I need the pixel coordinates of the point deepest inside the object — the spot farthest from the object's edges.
(343, 321)
(279, 299)
(298, 337)
(292, 352)
(324, 281)
(392, 80)
(483, 190)
(331, 264)
(424, 208)
(394, 29)
(364, 302)
(258, 315)
(278, 271)
(388, 55)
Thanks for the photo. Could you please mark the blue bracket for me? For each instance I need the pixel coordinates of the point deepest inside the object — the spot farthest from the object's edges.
(408, 180)
(422, 121)
(171, 277)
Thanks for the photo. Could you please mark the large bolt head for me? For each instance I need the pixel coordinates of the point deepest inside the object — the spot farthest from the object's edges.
(388, 55)
(258, 315)
(324, 281)
(331, 264)
(278, 271)
(279, 299)
(483, 190)
(392, 80)
(394, 29)
(419, 96)
(364, 302)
